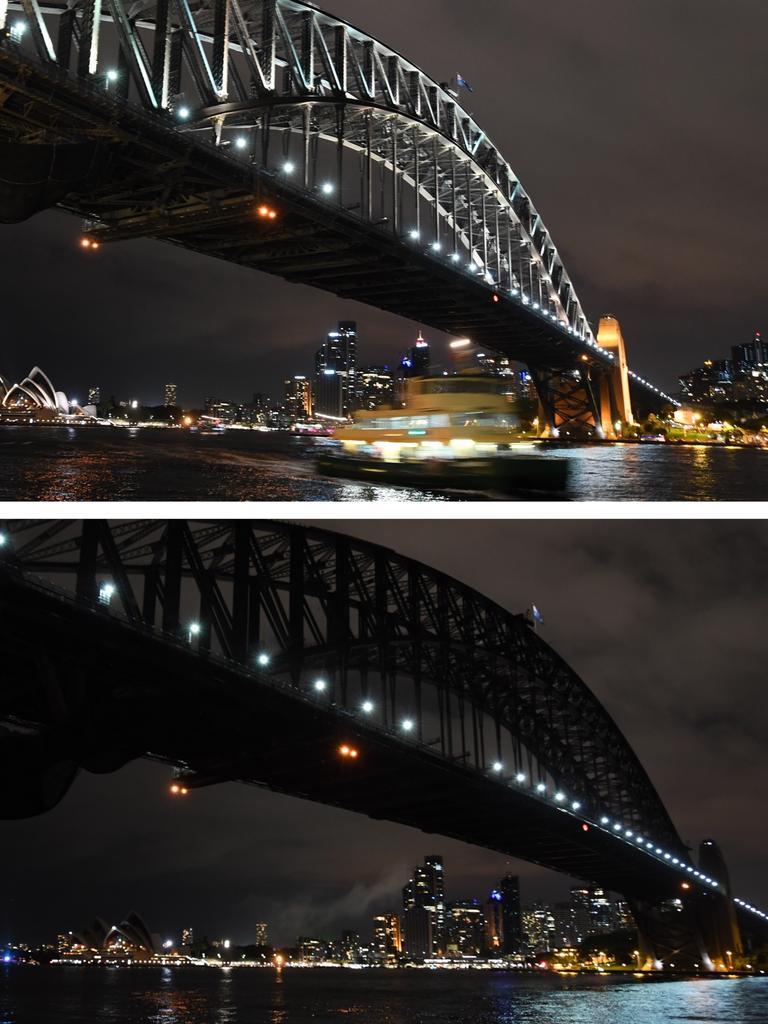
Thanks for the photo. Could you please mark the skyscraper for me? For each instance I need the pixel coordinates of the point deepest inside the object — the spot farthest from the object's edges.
(464, 928)
(387, 937)
(298, 397)
(336, 371)
(170, 393)
(494, 923)
(262, 934)
(94, 395)
(511, 916)
(426, 891)
(416, 361)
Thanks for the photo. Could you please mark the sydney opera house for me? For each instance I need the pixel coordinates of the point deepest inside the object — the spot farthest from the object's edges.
(35, 400)
(129, 940)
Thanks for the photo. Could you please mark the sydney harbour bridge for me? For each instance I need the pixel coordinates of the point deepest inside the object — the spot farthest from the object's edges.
(334, 670)
(273, 135)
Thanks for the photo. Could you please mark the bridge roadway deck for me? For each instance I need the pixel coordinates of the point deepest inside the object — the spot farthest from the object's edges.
(85, 686)
(150, 180)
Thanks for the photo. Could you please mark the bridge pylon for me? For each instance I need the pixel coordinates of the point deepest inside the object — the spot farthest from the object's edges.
(615, 401)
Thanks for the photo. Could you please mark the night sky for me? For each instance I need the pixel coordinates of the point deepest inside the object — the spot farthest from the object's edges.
(664, 621)
(637, 128)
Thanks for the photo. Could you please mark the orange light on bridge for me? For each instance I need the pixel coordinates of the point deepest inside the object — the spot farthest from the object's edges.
(267, 212)
(88, 243)
(684, 885)
(346, 751)
(178, 790)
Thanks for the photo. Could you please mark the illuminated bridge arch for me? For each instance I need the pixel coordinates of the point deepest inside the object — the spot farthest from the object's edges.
(243, 73)
(389, 191)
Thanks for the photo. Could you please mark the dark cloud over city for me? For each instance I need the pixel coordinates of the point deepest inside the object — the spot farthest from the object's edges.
(638, 129)
(665, 622)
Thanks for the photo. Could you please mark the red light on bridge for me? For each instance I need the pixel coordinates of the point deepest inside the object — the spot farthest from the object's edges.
(496, 298)
(585, 828)
(684, 885)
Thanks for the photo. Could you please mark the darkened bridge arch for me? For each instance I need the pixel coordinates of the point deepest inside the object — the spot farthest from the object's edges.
(508, 748)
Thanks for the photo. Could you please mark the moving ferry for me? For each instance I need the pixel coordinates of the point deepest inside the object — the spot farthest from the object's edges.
(456, 431)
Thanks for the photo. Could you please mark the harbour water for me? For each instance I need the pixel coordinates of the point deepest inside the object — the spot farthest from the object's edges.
(72, 995)
(121, 464)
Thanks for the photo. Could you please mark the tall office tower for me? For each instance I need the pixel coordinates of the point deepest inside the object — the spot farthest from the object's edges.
(426, 890)
(187, 937)
(494, 923)
(297, 397)
(170, 392)
(376, 387)
(511, 915)
(592, 912)
(416, 362)
(262, 934)
(94, 395)
(337, 358)
(539, 927)
(563, 916)
(418, 932)
(464, 928)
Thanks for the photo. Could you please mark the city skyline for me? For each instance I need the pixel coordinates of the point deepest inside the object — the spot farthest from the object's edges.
(623, 200)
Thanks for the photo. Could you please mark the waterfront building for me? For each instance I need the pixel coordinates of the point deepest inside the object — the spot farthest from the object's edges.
(592, 912)
(170, 395)
(33, 398)
(297, 397)
(387, 937)
(538, 927)
(350, 947)
(464, 929)
(742, 378)
(418, 932)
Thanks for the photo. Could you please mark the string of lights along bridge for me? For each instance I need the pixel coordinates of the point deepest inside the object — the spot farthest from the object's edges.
(294, 143)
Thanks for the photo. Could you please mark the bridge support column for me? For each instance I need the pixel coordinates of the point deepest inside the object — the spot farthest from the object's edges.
(568, 402)
(615, 402)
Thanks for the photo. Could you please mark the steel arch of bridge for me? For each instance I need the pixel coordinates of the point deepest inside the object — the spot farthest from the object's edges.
(278, 83)
(480, 684)
(284, 65)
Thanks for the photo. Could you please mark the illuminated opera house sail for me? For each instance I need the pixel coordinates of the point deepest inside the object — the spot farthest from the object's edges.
(35, 398)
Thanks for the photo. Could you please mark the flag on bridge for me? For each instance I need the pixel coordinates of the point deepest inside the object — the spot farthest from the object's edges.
(463, 83)
(534, 617)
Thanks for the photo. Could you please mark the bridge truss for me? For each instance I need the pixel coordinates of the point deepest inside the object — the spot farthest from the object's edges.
(480, 686)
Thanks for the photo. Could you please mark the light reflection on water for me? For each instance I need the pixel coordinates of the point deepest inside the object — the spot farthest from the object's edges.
(208, 996)
(104, 464)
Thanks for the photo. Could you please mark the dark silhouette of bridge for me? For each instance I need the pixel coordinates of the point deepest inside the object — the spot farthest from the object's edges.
(273, 135)
(258, 651)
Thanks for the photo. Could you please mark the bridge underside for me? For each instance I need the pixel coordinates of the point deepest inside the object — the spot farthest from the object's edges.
(132, 175)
